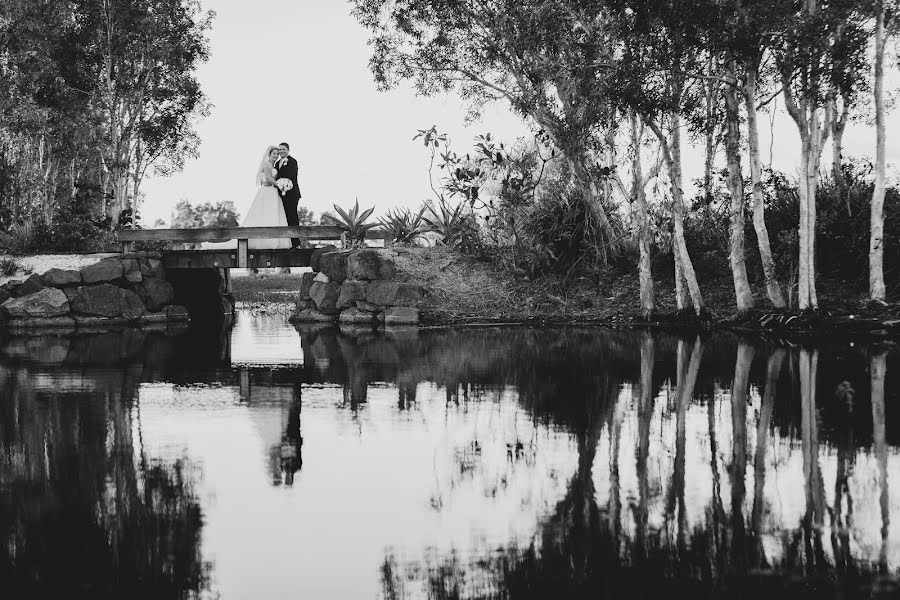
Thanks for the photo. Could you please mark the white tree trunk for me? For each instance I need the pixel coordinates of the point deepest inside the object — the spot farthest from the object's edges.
(773, 289)
(639, 215)
(685, 267)
(876, 235)
(743, 294)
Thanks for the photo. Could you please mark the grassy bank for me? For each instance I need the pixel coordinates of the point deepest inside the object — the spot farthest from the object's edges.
(463, 289)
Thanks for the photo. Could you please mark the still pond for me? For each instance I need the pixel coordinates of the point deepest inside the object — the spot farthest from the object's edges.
(263, 461)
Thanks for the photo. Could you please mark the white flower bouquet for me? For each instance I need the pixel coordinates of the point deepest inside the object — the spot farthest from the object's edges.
(284, 185)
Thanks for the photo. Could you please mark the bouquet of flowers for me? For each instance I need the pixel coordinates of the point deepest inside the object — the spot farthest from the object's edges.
(284, 185)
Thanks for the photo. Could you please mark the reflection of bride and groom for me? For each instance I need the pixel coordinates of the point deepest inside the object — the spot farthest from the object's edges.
(276, 200)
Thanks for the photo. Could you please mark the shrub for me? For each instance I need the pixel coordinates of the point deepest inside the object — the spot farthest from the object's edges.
(352, 223)
(402, 226)
(456, 227)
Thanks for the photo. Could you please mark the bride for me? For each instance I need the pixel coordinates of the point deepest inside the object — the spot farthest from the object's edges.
(266, 209)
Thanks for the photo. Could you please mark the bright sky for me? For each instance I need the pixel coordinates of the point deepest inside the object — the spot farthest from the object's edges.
(297, 71)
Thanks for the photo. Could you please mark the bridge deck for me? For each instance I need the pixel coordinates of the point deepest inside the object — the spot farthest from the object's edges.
(241, 256)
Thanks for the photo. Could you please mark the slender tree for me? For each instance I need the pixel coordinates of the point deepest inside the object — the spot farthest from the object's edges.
(546, 58)
(812, 65)
(876, 235)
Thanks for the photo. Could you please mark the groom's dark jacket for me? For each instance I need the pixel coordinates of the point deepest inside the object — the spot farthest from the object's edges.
(289, 170)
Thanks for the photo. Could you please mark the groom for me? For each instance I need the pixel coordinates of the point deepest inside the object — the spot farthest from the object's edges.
(287, 169)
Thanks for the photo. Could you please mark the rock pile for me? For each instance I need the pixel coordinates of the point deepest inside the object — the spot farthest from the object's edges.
(130, 288)
(356, 287)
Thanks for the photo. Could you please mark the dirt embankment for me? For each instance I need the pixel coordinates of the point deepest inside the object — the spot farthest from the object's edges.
(461, 289)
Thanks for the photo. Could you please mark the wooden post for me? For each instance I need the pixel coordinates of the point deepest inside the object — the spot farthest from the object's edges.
(127, 247)
(242, 254)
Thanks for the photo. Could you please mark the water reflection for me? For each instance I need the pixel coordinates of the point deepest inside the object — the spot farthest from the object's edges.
(524, 463)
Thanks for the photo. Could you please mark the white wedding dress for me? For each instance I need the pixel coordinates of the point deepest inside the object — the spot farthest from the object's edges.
(266, 210)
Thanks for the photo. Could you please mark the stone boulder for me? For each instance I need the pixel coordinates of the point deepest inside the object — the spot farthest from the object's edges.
(334, 265)
(317, 256)
(61, 278)
(132, 269)
(154, 293)
(29, 286)
(391, 293)
(367, 306)
(356, 316)
(108, 269)
(370, 264)
(401, 315)
(325, 295)
(45, 303)
(107, 300)
(351, 291)
(306, 281)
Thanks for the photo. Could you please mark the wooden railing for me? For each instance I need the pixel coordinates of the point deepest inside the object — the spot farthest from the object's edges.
(127, 237)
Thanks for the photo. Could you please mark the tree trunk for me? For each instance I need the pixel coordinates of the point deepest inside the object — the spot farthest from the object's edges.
(876, 236)
(684, 267)
(591, 196)
(773, 289)
(742, 292)
(804, 300)
(710, 138)
(639, 215)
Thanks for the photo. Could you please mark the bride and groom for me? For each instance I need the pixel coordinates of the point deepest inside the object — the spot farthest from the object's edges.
(276, 200)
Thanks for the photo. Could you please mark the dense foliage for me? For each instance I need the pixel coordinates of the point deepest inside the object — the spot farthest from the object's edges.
(608, 85)
(94, 94)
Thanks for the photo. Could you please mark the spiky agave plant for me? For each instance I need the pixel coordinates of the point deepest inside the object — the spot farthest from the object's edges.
(402, 226)
(456, 227)
(353, 223)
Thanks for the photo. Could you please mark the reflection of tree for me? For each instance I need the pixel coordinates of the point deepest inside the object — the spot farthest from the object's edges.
(879, 367)
(586, 549)
(86, 516)
(773, 371)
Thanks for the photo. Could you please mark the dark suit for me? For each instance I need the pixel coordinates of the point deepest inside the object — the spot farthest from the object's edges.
(291, 198)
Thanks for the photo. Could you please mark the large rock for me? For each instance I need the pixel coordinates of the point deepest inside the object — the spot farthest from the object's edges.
(107, 300)
(390, 293)
(108, 269)
(306, 281)
(317, 255)
(370, 264)
(356, 316)
(154, 293)
(48, 302)
(61, 277)
(351, 291)
(334, 265)
(29, 286)
(325, 295)
(132, 270)
(401, 315)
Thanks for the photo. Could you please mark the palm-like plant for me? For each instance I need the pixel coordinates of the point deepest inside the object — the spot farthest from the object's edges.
(403, 226)
(352, 222)
(18, 239)
(456, 227)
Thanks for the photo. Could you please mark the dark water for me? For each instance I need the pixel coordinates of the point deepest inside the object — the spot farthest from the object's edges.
(263, 462)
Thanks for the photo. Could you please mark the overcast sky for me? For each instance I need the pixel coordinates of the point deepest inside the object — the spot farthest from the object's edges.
(297, 71)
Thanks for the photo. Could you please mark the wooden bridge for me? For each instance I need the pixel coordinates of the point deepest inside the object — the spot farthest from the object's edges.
(242, 256)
